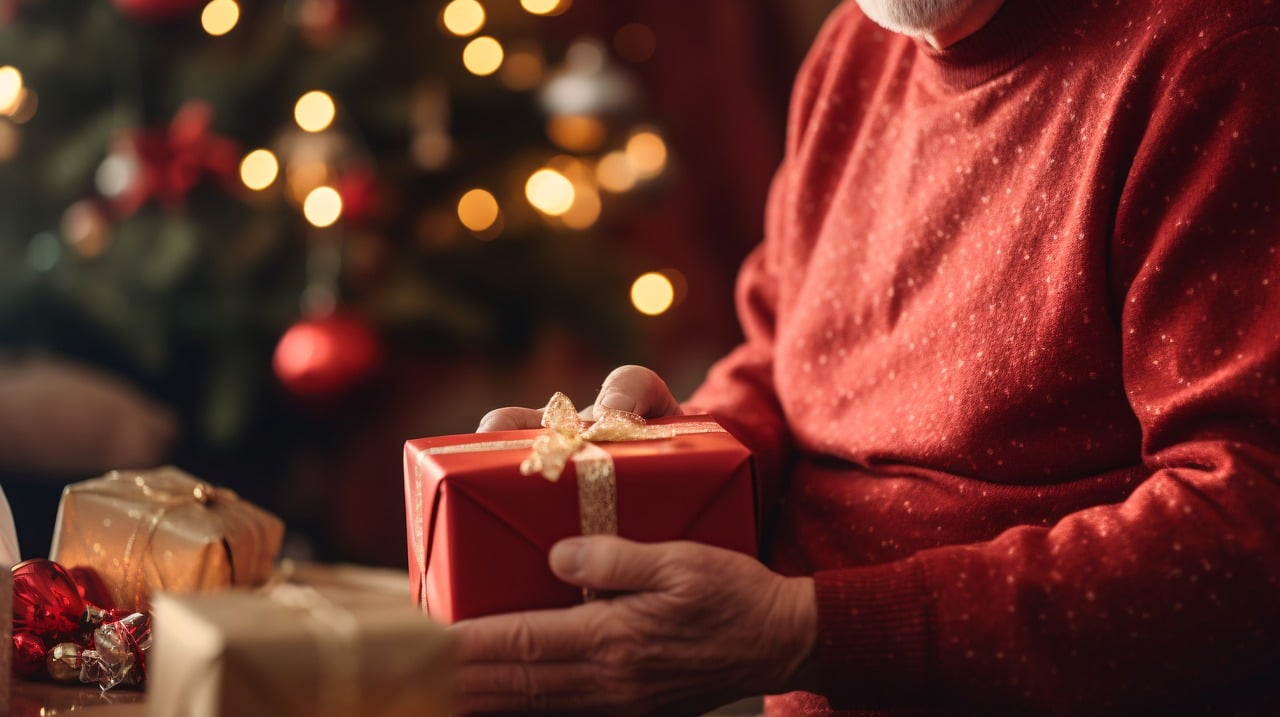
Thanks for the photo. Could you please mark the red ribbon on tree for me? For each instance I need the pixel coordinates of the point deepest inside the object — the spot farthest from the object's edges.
(172, 159)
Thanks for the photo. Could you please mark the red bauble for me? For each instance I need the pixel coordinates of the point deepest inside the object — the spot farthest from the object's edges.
(91, 586)
(323, 358)
(46, 600)
(156, 10)
(28, 655)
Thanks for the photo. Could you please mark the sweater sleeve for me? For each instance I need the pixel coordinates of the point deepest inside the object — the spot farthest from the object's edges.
(1146, 603)
(739, 390)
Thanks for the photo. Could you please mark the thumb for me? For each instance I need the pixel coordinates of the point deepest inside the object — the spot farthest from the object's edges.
(638, 390)
(606, 562)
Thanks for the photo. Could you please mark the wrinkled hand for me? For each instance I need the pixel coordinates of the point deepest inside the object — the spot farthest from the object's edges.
(627, 388)
(698, 627)
(60, 418)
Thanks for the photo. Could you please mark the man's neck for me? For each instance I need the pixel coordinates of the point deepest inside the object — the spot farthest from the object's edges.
(972, 20)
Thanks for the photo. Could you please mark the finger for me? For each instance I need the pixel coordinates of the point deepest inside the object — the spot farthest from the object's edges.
(638, 390)
(510, 419)
(523, 680)
(606, 562)
(554, 635)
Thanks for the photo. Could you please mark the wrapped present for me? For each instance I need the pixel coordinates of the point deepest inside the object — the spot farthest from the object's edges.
(484, 510)
(162, 529)
(326, 649)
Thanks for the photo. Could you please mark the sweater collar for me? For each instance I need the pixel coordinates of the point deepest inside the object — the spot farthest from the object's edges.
(1018, 29)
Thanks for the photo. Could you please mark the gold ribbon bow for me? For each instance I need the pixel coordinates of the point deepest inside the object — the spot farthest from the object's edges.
(569, 437)
(567, 434)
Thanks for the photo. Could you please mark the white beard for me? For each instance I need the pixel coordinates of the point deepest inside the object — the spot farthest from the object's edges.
(914, 17)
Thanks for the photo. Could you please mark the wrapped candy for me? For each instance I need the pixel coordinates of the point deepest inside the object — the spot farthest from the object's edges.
(119, 652)
(58, 634)
(162, 529)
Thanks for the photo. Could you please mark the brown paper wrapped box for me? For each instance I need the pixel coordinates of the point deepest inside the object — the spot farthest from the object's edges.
(320, 650)
(162, 529)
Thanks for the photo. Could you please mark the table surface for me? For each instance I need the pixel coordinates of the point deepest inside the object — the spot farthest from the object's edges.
(43, 699)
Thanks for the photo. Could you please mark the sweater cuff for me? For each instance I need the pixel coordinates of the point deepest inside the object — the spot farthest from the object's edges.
(874, 635)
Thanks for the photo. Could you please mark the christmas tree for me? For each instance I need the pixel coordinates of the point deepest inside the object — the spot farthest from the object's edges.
(250, 209)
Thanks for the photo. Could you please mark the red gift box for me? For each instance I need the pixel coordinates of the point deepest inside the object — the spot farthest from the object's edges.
(479, 530)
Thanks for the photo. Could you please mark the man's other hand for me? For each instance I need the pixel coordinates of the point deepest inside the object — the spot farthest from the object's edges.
(690, 628)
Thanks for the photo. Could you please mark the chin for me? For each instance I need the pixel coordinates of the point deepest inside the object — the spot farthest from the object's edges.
(914, 17)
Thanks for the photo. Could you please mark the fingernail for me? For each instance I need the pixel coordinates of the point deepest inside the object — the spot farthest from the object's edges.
(567, 556)
(618, 401)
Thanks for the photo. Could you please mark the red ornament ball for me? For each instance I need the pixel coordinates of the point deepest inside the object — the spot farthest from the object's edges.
(156, 10)
(325, 357)
(46, 600)
(28, 655)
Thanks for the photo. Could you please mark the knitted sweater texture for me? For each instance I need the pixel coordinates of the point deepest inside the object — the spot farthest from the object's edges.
(1010, 363)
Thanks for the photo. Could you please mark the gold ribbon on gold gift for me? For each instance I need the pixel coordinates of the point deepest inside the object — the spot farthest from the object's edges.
(567, 437)
(163, 529)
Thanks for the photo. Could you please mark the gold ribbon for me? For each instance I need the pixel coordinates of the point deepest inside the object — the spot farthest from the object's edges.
(568, 436)
(335, 630)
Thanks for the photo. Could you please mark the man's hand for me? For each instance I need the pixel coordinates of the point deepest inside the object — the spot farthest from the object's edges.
(696, 628)
(627, 388)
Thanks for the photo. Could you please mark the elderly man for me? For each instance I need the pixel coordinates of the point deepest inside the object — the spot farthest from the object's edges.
(1012, 344)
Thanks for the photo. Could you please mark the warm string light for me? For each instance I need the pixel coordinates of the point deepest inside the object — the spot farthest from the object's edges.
(259, 169)
(314, 111)
(545, 7)
(322, 207)
(463, 17)
(219, 17)
(550, 192)
(11, 90)
(577, 133)
(652, 293)
(478, 210)
(482, 56)
(303, 176)
(646, 153)
(10, 141)
(615, 173)
(522, 69)
(586, 206)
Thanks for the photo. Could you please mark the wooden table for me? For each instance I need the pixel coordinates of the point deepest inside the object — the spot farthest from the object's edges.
(43, 699)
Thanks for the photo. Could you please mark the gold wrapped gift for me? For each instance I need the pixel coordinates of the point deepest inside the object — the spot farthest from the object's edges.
(323, 649)
(162, 529)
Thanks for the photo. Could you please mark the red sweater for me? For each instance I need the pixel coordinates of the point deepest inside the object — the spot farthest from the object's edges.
(1012, 344)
